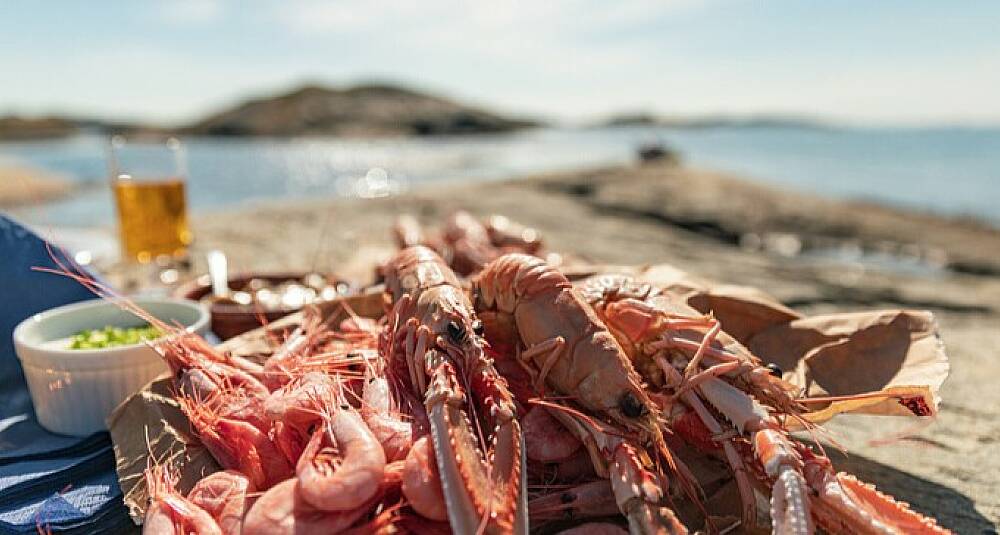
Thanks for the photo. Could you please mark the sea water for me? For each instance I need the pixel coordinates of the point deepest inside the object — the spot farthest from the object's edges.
(952, 171)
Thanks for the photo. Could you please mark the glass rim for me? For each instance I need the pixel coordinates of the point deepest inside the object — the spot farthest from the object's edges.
(118, 143)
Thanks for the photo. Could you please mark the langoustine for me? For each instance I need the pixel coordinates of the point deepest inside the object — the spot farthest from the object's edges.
(698, 372)
(435, 351)
(565, 347)
(466, 243)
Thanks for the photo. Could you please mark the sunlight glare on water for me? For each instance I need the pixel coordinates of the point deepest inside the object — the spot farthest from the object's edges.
(951, 171)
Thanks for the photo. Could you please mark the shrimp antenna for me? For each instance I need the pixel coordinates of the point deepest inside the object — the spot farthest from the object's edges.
(70, 269)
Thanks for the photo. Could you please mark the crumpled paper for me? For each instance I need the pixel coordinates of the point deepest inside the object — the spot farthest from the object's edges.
(890, 362)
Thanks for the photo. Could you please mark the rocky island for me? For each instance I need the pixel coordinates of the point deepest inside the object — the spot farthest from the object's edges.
(365, 110)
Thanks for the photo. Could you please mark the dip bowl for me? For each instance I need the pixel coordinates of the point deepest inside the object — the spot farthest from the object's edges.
(74, 390)
(232, 319)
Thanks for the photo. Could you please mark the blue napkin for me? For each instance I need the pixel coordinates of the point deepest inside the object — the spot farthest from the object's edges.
(67, 484)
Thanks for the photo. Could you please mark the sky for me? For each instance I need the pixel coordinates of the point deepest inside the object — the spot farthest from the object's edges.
(170, 61)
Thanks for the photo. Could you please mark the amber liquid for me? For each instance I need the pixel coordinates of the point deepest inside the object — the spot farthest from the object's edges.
(152, 218)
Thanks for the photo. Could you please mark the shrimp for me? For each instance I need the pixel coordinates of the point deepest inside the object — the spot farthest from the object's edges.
(296, 409)
(469, 242)
(237, 444)
(169, 512)
(395, 434)
(225, 496)
(575, 468)
(545, 438)
(343, 464)
(422, 482)
(283, 511)
(283, 365)
(588, 500)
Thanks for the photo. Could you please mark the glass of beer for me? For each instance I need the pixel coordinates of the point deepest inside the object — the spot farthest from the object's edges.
(148, 181)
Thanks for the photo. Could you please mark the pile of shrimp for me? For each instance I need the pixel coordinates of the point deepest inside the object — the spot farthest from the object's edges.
(619, 407)
(318, 440)
(310, 441)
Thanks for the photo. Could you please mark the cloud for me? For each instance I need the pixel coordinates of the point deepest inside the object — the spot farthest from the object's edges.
(534, 39)
(553, 17)
(185, 12)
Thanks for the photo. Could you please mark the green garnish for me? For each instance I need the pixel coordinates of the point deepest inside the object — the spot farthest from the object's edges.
(113, 336)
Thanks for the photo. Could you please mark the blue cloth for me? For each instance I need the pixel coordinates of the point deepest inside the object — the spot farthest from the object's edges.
(67, 484)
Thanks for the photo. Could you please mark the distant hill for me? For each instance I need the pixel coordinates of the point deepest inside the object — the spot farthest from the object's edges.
(366, 110)
(18, 128)
(13, 127)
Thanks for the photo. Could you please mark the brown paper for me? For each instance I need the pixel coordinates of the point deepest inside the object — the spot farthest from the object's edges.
(150, 426)
(893, 359)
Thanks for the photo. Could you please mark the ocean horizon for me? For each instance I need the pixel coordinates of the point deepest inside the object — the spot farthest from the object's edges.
(947, 171)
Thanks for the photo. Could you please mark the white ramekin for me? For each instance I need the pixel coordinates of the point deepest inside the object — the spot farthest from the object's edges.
(74, 390)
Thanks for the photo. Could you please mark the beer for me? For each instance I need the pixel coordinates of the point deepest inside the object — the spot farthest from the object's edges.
(152, 217)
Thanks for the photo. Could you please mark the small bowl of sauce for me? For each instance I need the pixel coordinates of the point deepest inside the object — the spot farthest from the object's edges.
(254, 297)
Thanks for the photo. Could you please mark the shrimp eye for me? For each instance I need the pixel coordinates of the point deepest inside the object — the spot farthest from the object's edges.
(774, 369)
(456, 332)
(477, 327)
(631, 407)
